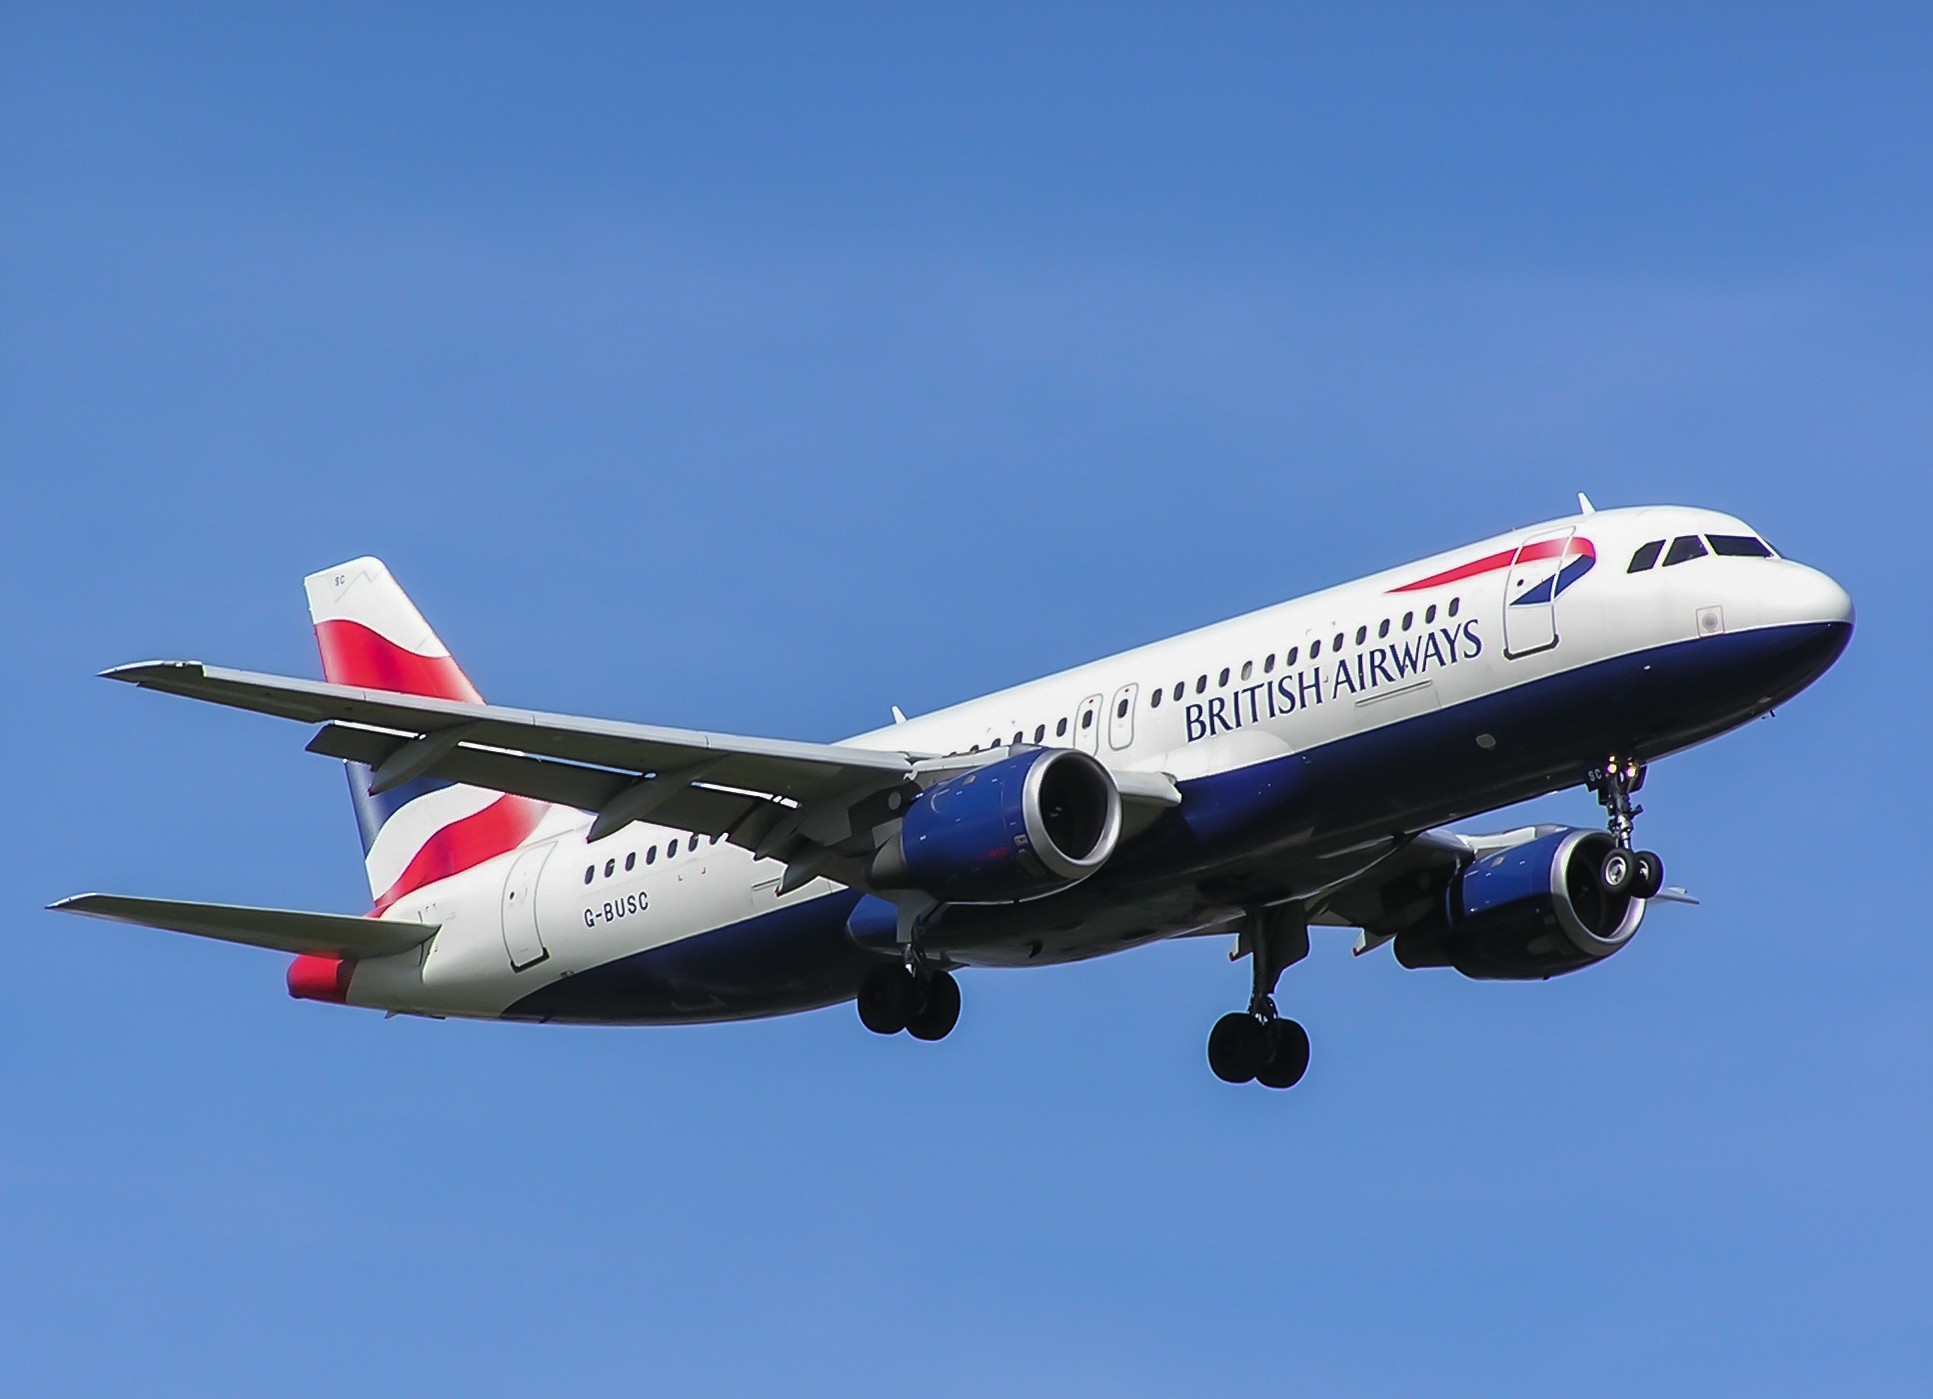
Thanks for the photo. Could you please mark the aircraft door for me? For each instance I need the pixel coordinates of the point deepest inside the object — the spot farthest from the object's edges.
(1087, 725)
(1530, 595)
(1120, 717)
(521, 938)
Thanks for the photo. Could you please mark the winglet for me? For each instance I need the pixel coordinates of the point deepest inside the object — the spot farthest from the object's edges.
(1584, 506)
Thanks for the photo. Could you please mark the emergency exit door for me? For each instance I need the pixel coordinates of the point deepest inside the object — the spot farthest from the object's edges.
(1530, 594)
(522, 941)
(1087, 725)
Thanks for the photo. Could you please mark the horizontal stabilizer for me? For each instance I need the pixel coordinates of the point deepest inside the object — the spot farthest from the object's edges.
(282, 929)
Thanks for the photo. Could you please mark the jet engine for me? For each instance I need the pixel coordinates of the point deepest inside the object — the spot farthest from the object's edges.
(1529, 912)
(1015, 829)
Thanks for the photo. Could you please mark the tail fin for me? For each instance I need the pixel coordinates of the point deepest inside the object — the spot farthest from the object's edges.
(371, 636)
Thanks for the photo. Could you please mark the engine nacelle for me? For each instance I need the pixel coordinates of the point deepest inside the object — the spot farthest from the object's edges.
(1015, 829)
(1531, 911)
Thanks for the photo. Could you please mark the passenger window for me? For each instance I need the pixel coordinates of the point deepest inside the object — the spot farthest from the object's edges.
(1336, 645)
(692, 845)
(1684, 548)
(1409, 620)
(1293, 650)
(1040, 732)
(1181, 688)
(1121, 709)
(610, 868)
(1430, 615)
(1455, 603)
(1383, 630)
(1154, 697)
(1224, 679)
(651, 856)
(1738, 546)
(1248, 669)
(1060, 729)
(1315, 648)
(589, 872)
(1646, 556)
(1087, 720)
(671, 849)
(1201, 683)
(630, 862)
(1268, 665)
(1362, 634)
(1019, 735)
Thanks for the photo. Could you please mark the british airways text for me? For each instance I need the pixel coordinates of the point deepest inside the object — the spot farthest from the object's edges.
(1352, 675)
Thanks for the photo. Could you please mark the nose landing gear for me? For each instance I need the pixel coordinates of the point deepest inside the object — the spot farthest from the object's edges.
(1639, 873)
(1257, 1044)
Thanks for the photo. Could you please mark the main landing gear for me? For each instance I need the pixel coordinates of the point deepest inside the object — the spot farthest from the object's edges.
(1257, 1044)
(920, 999)
(1639, 873)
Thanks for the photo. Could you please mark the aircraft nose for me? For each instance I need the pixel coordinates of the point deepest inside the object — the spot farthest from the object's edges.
(1811, 596)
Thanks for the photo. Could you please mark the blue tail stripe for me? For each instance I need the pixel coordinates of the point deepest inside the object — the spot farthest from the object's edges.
(373, 811)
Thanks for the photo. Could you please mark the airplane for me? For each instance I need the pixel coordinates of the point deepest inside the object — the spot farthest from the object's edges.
(1297, 766)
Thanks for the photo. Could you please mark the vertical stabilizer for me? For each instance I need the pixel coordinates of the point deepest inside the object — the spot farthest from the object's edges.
(371, 636)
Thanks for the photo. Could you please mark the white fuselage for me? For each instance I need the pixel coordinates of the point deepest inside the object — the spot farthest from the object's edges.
(1241, 692)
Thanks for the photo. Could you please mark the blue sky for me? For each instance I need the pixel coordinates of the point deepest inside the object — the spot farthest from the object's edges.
(761, 369)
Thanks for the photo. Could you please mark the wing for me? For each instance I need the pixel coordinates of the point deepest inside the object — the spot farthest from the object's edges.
(622, 771)
(1407, 884)
(814, 805)
(282, 929)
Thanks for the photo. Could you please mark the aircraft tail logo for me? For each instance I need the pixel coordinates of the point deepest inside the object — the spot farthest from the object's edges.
(371, 636)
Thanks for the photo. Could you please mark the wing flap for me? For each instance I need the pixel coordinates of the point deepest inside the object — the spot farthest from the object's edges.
(706, 810)
(279, 929)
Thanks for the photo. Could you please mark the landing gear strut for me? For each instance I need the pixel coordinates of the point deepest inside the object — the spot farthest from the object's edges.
(1641, 873)
(918, 998)
(1257, 1044)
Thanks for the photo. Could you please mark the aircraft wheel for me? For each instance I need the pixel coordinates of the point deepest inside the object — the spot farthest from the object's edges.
(935, 1019)
(1288, 1055)
(1618, 871)
(1238, 1047)
(1650, 877)
(887, 999)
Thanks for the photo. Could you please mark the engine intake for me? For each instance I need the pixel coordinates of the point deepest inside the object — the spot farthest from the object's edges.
(1531, 911)
(1015, 829)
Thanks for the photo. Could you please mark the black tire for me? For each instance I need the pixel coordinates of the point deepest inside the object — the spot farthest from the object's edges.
(940, 1010)
(1288, 1055)
(887, 997)
(1237, 1047)
(1650, 877)
(1617, 871)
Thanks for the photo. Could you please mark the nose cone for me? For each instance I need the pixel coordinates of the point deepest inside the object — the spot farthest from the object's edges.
(1807, 595)
(1814, 616)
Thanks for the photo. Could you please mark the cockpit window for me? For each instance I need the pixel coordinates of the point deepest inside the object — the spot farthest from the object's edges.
(1738, 546)
(1646, 556)
(1685, 546)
